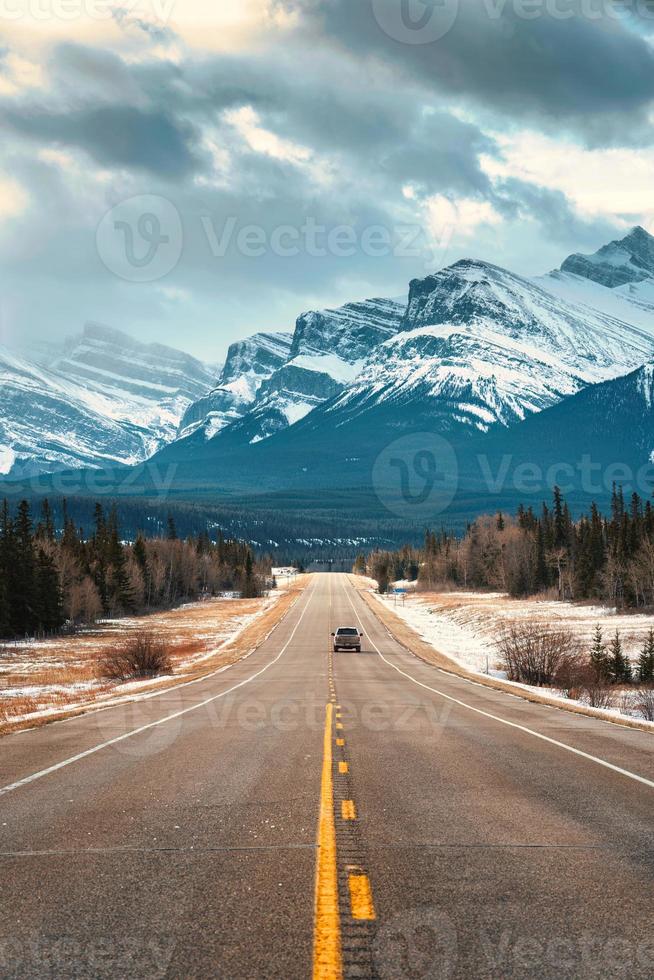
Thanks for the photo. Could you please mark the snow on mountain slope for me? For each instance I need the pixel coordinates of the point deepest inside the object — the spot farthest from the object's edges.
(148, 386)
(481, 345)
(632, 303)
(349, 332)
(630, 259)
(328, 349)
(602, 434)
(629, 296)
(249, 363)
(104, 399)
(45, 425)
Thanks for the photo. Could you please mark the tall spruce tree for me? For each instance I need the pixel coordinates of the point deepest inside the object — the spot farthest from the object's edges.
(619, 666)
(598, 657)
(48, 599)
(23, 575)
(646, 661)
(122, 594)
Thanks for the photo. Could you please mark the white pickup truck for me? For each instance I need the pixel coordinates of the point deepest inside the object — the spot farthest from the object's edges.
(347, 638)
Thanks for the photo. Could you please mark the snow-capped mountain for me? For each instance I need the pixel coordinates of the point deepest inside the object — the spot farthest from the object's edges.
(105, 399)
(45, 425)
(479, 350)
(249, 363)
(477, 354)
(480, 345)
(265, 390)
(602, 435)
(628, 260)
(630, 301)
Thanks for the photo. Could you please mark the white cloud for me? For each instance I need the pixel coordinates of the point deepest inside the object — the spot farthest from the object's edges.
(19, 74)
(248, 125)
(599, 183)
(458, 219)
(13, 198)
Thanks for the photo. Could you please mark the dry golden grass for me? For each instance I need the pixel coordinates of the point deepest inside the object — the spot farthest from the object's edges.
(197, 636)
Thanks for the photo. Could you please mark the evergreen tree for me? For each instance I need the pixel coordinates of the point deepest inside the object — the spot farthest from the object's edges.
(646, 660)
(5, 615)
(48, 603)
(172, 528)
(122, 594)
(598, 656)
(46, 529)
(560, 521)
(619, 666)
(249, 588)
(23, 575)
(7, 564)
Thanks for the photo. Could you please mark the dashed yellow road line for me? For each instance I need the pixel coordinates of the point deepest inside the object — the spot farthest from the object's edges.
(361, 904)
(340, 742)
(327, 958)
(343, 768)
(339, 726)
(348, 810)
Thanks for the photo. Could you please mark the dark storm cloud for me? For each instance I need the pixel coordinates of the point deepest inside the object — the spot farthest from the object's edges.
(370, 127)
(158, 111)
(114, 136)
(593, 71)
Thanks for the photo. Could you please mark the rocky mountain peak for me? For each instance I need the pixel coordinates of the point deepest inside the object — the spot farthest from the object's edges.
(349, 332)
(626, 260)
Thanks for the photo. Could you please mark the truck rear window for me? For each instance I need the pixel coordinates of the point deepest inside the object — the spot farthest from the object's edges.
(348, 632)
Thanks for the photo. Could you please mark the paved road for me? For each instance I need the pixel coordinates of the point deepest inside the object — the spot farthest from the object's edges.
(459, 835)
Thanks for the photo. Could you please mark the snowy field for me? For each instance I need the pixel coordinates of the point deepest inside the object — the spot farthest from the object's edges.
(45, 678)
(464, 627)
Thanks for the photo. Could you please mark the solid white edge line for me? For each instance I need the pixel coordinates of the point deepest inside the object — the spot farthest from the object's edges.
(127, 699)
(502, 721)
(161, 721)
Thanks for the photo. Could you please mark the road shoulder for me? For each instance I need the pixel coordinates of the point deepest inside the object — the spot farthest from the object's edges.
(403, 634)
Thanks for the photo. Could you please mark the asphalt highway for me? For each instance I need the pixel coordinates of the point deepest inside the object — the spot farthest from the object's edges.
(304, 813)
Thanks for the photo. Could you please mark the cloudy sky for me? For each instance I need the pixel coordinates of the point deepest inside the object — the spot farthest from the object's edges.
(193, 177)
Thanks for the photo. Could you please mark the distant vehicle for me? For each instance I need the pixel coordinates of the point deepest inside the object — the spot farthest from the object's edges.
(347, 638)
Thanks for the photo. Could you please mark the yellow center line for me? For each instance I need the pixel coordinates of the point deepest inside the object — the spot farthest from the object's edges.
(348, 810)
(361, 903)
(343, 768)
(327, 960)
(340, 741)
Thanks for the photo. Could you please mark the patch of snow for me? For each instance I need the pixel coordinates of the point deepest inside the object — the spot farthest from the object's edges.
(7, 459)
